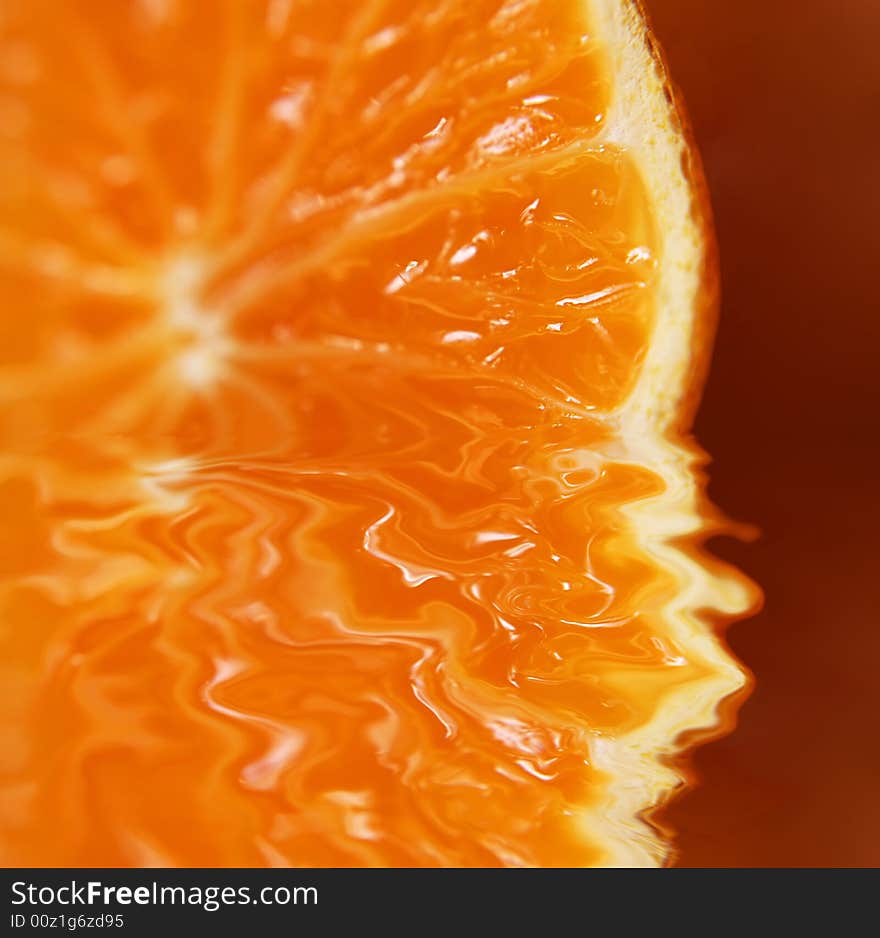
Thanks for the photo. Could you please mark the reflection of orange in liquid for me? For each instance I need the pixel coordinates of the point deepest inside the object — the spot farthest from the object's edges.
(336, 369)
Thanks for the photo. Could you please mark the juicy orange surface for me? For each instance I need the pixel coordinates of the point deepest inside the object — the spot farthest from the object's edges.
(315, 549)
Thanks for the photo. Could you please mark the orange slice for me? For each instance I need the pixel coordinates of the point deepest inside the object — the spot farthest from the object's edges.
(349, 352)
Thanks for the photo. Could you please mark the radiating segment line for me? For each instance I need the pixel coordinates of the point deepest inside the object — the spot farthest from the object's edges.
(283, 177)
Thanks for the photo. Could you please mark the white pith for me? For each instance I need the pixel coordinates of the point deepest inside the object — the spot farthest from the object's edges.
(642, 121)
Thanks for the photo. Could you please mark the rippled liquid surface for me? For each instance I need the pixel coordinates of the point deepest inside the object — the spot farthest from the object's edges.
(314, 551)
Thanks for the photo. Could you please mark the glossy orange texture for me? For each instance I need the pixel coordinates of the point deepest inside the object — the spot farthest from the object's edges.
(313, 551)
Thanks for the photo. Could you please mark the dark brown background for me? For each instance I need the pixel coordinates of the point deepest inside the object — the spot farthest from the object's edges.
(785, 102)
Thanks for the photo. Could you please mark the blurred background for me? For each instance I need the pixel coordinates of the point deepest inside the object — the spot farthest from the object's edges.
(784, 97)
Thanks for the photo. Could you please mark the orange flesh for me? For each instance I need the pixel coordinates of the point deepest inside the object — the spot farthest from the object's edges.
(312, 317)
